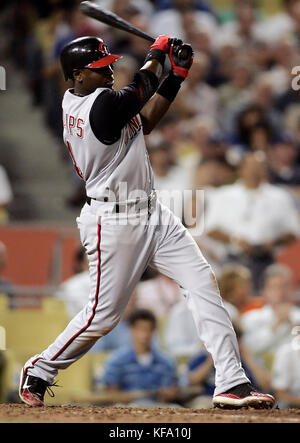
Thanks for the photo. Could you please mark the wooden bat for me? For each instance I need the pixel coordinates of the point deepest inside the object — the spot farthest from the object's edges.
(109, 18)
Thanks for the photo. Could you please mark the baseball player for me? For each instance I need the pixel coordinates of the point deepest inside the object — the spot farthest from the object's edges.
(104, 132)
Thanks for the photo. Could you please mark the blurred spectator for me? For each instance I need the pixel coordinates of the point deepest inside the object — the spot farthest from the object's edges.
(236, 92)
(75, 291)
(247, 120)
(180, 334)
(245, 26)
(170, 180)
(173, 20)
(157, 293)
(124, 71)
(235, 285)
(141, 366)
(284, 58)
(138, 47)
(196, 97)
(6, 286)
(200, 371)
(252, 218)
(260, 138)
(267, 328)
(6, 196)
(212, 173)
(284, 169)
(282, 24)
(286, 376)
(290, 98)
(260, 109)
(167, 174)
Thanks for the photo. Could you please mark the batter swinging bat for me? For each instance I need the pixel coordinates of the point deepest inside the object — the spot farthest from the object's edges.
(109, 18)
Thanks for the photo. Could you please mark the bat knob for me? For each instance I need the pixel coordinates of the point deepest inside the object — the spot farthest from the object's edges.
(185, 52)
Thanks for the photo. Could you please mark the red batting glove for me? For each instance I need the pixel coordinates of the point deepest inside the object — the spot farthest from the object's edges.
(162, 43)
(181, 66)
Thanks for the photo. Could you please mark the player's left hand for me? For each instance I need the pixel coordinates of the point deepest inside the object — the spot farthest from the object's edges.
(181, 57)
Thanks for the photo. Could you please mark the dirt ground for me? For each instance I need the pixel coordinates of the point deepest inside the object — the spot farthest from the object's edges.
(17, 413)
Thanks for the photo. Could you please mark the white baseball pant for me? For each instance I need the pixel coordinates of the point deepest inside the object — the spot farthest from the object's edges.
(118, 255)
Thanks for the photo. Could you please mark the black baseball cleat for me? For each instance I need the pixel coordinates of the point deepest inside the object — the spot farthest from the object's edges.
(243, 396)
(32, 390)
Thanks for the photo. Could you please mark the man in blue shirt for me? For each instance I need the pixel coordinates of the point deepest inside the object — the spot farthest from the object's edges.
(142, 367)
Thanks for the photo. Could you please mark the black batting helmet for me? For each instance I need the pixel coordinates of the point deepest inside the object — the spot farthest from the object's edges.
(85, 52)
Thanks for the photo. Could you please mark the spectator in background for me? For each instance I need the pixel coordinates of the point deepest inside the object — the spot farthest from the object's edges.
(137, 47)
(172, 20)
(6, 196)
(157, 293)
(235, 285)
(267, 328)
(251, 218)
(284, 23)
(236, 92)
(290, 98)
(259, 110)
(75, 291)
(284, 169)
(286, 375)
(196, 97)
(245, 26)
(246, 120)
(6, 286)
(141, 366)
(200, 371)
(124, 71)
(170, 180)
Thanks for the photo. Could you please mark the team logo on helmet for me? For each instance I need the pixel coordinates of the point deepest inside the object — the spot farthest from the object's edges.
(103, 48)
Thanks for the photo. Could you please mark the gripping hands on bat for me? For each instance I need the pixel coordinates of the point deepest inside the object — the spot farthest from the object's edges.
(180, 54)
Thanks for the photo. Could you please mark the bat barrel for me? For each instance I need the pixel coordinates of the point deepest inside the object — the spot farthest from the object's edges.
(109, 18)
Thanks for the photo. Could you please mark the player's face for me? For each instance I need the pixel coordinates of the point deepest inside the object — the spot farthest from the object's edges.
(91, 79)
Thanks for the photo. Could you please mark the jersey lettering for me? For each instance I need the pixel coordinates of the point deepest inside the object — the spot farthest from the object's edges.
(132, 128)
(71, 123)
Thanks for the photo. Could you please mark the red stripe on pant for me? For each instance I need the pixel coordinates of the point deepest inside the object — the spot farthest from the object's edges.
(95, 304)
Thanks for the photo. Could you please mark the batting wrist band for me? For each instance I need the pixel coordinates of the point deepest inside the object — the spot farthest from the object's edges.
(156, 54)
(170, 87)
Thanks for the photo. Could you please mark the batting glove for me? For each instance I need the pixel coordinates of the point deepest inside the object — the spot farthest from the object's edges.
(159, 49)
(162, 43)
(181, 57)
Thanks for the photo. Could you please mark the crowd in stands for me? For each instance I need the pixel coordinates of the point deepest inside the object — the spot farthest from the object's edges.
(233, 132)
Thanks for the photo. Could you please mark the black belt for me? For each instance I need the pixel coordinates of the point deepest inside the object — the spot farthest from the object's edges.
(118, 206)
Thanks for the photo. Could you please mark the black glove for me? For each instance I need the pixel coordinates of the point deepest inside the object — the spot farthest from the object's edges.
(181, 57)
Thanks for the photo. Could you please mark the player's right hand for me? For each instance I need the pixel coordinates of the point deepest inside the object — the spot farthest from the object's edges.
(162, 43)
(181, 57)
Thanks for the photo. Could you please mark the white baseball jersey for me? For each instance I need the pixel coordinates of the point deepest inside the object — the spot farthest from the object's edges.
(104, 167)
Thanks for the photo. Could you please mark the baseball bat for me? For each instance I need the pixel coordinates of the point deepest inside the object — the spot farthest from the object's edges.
(111, 19)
